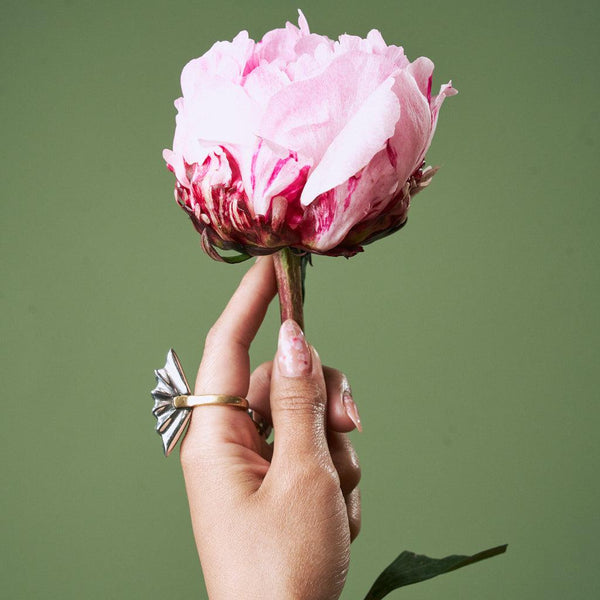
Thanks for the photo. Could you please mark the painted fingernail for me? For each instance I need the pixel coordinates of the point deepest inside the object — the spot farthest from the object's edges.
(293, 353)
(350, 406)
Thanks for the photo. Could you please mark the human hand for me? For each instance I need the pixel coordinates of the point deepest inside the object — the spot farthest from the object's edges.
(271, 521)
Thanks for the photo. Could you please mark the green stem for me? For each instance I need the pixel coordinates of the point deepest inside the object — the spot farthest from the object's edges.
(288, 269)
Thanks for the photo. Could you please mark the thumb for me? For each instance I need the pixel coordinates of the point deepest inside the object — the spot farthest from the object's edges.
(298, 400)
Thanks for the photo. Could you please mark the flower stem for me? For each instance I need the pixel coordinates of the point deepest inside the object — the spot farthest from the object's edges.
(288, 270)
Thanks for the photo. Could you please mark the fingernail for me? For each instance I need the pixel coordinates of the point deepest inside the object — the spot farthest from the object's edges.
(293, 353)
(350, 406)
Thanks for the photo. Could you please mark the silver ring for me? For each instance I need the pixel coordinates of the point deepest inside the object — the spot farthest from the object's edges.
(263, 426)
(173, 404)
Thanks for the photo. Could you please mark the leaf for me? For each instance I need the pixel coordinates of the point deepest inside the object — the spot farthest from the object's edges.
(411, 568)
(236, 258)
(210, 245)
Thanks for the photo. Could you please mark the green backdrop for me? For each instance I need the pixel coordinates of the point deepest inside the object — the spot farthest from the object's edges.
(470, 338)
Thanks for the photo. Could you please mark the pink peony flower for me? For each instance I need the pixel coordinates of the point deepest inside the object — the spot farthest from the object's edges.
(299, 141)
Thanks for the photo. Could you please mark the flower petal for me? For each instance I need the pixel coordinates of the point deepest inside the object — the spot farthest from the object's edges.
(221, 111)
(176, 164)
(422, 71)
(364, 196)
(413, 130)
(358, 142)
(436, 103)
(268, 171)
(264, 81)
(227, 59)
(307, 115)
(279, 44)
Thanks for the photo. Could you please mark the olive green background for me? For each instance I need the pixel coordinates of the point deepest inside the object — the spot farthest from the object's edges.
(471, 338)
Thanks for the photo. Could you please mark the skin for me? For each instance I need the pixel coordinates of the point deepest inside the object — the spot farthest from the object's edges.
(270, 520)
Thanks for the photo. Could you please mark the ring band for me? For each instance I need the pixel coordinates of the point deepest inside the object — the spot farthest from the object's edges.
(185, 401)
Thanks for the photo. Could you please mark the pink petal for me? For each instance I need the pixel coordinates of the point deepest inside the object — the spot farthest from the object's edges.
(175, 161)
(227, 59)
(307, 115)
(264, 81)
(348, 42)
(279, 44)
(309, 44)
(374, 44)
(413, 130)
(309, 64)
(303, 23)
(220, 111)
(376, 41)
(185, 142)
(357, 143)
(436, 103)
(355, 200)
(422, 71)
(270, 171)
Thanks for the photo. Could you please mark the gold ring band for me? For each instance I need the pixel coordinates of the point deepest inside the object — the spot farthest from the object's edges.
(210, 400)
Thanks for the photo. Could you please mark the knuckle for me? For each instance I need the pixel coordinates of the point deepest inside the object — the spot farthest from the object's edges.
(221, 335)
(350, 476)
(262, 375)
(334, 376)
(188, 456)
(322, 475)
(354, 528)
(311, 480)
(190, 453)
(195, 450)
(307, 399)
(346, 461)
(353, 469)
(199, 458)
(213, 336)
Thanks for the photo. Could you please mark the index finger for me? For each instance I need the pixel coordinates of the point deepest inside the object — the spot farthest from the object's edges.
(225, 366)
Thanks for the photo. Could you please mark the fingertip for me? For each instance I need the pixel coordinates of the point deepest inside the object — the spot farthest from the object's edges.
(263, 268)
(295, 356)
(338, 418)
(351, 408)
(342, 412)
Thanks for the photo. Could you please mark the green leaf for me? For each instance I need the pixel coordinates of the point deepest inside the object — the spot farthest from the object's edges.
(411, 568)
(236, 258)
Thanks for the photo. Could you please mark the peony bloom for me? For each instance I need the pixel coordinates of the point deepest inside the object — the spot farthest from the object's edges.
(301, 141)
